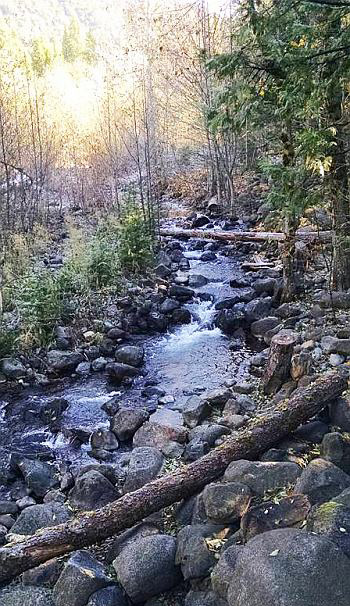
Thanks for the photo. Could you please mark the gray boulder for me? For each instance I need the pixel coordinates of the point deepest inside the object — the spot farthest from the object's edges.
(80, 579)
(132, 355)
(38, 475)
(181, 293)
(35, 517)
(290, 567)
(257, 309)
(265, 285)
(63, 362)
(109, 596)
(118, 372)
(196, 280)
(127, 421)
(13, 368)
(332, 520)
(145, 464)
(336, 449)
(203, 598)
(223, 571)
(102, 438)
(195, 410)
(218, 397)
(320, 481)
(146, 567)
(30, 596)
(333, 345)
(224, 503)
(193, 553)
(259, 328)
(339, 412)
(262, 476)
(91, 491)
(165, 427)
(168, 306)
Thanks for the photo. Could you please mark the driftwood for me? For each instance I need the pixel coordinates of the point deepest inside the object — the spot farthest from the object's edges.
(93, 527)
(246, 236)
(279, 361)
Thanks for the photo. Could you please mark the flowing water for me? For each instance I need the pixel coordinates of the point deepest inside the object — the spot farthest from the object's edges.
(190, 359)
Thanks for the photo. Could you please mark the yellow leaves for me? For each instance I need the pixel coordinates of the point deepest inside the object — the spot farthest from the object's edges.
(88, 573)
(298, 44)
(319, 165)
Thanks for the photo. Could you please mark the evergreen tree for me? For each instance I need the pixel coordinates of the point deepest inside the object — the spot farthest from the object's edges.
(90, 55)
(71, 43)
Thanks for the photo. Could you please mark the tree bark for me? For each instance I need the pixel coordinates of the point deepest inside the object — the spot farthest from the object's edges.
(95, 526)
(246, 236)
(279, 362)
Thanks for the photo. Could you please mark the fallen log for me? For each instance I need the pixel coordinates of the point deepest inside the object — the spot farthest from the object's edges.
(92, 527)
(246, 236)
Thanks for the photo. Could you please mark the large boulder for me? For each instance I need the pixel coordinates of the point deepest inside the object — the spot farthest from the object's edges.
(224, 503)
(127, 421)
(164, 429)
(30, 596)
(91, 491)
(80, 579)
(145, 464)
(63, 362)
(104, 439)
(229, 320)
(195, 410)
(262, 476)
(257, 309)
(339, 412)
(332, 345)
(35, 517)
(332, 520)
(320, 481)
(108, 596)
(223, 571)
(13, 368)
(269, 515)
(259, 328)
(132, 355)
(181, 293)
(193, 553)
(203, 598)
(38, 475)
(146, 567)
(336, 448)
(290, 567)
(118, 372)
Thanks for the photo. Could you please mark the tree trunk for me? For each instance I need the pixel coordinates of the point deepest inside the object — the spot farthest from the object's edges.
(279, 362)
(246, 236)
(95, 526)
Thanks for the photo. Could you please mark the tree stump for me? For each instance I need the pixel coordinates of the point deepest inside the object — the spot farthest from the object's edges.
(279, 363)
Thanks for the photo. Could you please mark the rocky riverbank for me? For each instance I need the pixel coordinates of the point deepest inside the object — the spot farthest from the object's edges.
(272, 531)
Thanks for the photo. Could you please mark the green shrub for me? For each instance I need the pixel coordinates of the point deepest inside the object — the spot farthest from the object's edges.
(135, 242)
(39, 303)
(7, 341)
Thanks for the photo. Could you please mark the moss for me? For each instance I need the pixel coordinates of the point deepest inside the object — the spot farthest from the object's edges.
(325, 513)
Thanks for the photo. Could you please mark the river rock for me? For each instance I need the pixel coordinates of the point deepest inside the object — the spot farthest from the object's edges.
(200, 221)
(127, 421)
(52, 411)
(82, 576)
(40, 516)
(109, 596)
(13, 368)
(208, 433)
(116, 334)
(313, 432)
(197, 280)
(332, 520)
(218, 397)
(264, 285)
(333, 345)
(91, 491)
(117, 372)
(336, 449)
(321, 481)
(45, 575)
(8, 507)
(262, 476)
(288, 310)
(339, 413)
(225, 503)
(104, 439)
(131, 355)
(223, 571)
(203, 598)
(193, 553)
(257, 309)
(7, 520)
(30, 596)
(145, 464)
(181, 316)
(259, 328)
(228, 302)
(229, 320)
(165, 427)
(290, 567)
(99, 364)
(168, 306)
(38, 475)
(146, 567)
(208, 255)
(162, 271)
(83, 369)
(195, 410)
(63, 362)
(181, 293)
(268, 515)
